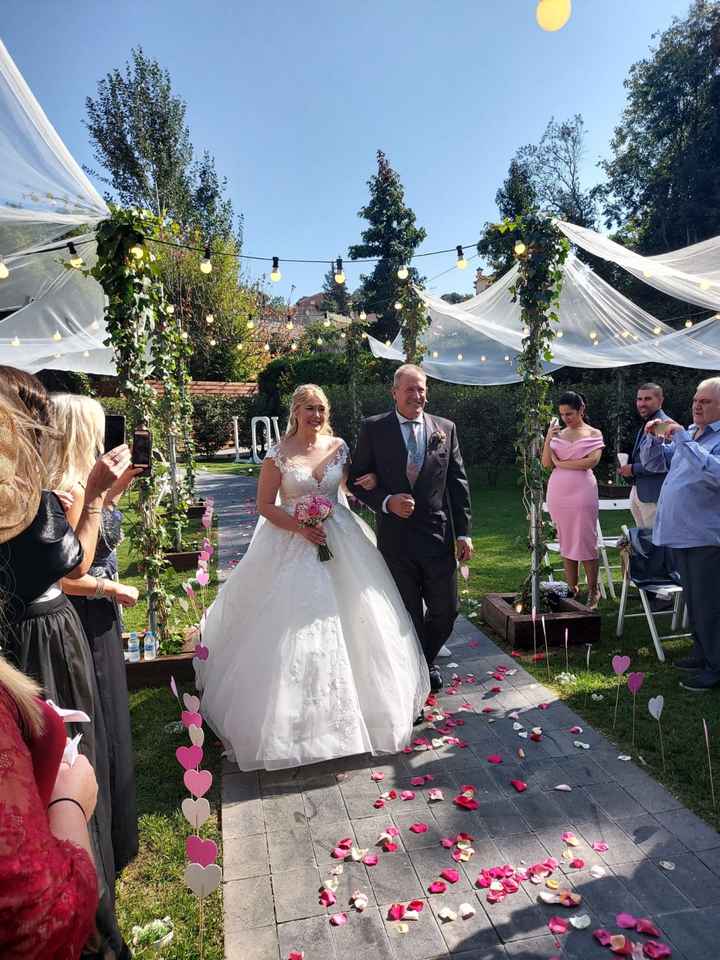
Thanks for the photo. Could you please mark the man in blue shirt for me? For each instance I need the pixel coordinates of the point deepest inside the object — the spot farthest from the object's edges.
(688, 521)
(646, 484)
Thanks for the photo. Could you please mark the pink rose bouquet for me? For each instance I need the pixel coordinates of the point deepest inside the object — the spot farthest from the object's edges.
(312, 511)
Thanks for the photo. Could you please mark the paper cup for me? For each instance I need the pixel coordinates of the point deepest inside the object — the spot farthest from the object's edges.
(623, 459)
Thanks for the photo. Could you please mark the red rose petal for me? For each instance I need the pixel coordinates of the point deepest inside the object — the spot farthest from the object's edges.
(379, 804)
(519, 785)
(603, 937)
(418, 828)
(626, 921)
(467, 803)
(656, 951)
(417, 781)
(416, 905)
(621, 945)
(447, 842)
(390, 847)
(647, 927)
(437, 886)
(577, 864)
(494, 758)
(338, 919)
(396, 912)
(543, 706)
(558, 925)
(327, 898)
(449, 874)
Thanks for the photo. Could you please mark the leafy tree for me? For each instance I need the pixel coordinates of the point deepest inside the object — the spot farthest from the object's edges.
(663, 177)
(391, 235)
(336, 296)
(456, 297)
(142, 143)
(515, 198)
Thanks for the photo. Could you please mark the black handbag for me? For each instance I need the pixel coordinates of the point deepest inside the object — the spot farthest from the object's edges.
(42, 554)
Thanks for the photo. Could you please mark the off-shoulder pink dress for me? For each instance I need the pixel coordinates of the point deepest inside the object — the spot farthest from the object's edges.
(572, 499)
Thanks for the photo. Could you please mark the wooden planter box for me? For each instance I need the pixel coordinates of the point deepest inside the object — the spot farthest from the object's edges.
(185, 560)
(195, 511)
(583, 625)
(157, 672)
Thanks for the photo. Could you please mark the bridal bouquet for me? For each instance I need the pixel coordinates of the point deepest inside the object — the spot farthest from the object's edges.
(311, 511)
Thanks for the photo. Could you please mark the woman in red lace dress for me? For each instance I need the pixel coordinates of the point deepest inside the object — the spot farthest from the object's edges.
(48, 885)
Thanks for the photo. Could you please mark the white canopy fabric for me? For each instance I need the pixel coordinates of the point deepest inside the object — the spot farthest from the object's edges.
(44, 195)
(478, 341)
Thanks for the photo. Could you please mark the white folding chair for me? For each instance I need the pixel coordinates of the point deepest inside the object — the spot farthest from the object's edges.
(609, 543)
(668, 591)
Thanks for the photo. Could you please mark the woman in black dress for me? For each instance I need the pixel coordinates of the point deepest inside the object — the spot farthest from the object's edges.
(43, 635)
(96, 598)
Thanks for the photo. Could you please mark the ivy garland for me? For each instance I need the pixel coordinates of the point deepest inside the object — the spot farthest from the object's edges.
(541, 251)
(139, 324)
(414, 323)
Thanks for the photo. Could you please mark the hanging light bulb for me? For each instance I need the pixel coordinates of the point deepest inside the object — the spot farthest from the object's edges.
(136, 251)
(75, 260)
(482, 359)
(526, 331)
(342, 334)
(293, 347)
(552, 15)
(434, 354)
(339, 272)
(289, 325)
(327, 323)
(461, 262)
(239, 346)
(398, 305)
(15, 342)
(364, 335)
(593, 335)
(212, 342)
(403, 273)
(362, 315)
(657, 331)
(520, 249)
(705, 284)
(275, 274)
(559, 334)
(95, 325)
(460, 356)
(250, 323)
(206, 262)
(170, 309)
(266, 348)
(86, 353)
(4, 272)
(506, 358)
(387, 342)
(688, 323)
(185, 335)
(210, 319)
(320, 341)
(57, 336)
(518, 608)
(626, 333)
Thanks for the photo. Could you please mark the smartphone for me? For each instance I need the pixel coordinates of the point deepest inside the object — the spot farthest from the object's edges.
(114, 432)
(142, 451)
(554, 422)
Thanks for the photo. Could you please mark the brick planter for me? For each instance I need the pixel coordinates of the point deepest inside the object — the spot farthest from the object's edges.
(583, 625)
(157, 672)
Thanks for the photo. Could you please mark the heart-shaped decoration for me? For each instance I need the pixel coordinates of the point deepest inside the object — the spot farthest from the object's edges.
(196, 812)
(202, 880)
(620, 664)
(198, 782)
(635, 681)
(201, 652)
(189, 757)
(201, 851)
(192, 703)
(189, 716)
(197, 735)
(655, 706)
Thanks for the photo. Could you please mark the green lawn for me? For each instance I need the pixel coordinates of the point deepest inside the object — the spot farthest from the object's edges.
(224, 466)
(501, 563)
(152, 886)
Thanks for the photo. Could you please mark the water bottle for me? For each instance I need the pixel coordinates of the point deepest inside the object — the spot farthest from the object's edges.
(133, 648)
(149, 646)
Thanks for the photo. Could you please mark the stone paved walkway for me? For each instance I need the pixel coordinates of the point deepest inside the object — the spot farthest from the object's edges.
(280, 828)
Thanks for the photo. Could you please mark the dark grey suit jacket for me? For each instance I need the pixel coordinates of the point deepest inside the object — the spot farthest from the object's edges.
(647, 483)
(441, 491)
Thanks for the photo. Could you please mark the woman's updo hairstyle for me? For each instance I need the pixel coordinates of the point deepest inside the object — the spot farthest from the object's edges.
(302, 394)
(575, 400)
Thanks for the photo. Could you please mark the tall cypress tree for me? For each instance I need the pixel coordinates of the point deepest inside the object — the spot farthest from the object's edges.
(393, 236)
(337, 298)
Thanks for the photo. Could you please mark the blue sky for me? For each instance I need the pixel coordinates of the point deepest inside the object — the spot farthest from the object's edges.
(294, 99)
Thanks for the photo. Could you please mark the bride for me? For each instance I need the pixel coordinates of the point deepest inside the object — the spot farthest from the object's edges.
(310, 660)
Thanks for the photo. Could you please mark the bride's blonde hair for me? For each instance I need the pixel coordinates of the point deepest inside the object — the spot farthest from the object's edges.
(80, 421)
(301, 395)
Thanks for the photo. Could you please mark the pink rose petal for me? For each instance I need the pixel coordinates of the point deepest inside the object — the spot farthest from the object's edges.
(519, 785)
(407, 795)
(449, 874)
(377, 775)
(494, 758)
(656, 951)
(599, 846)
(418, 828)
(370, 859)
(417, 781)
(558, 925)
(339, 919)
(647, 927)
(626, 921)
(437, 886)
(396, 911)
(603, 937)
(379, 804)
(327, 898)
(447, 842)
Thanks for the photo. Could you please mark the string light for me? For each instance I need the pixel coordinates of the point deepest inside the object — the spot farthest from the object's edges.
(526, 331)
(520, 249)
(363, 315)
(461, 261)
(460, 356)
(15, 342)
(239, 346)
(688, 324)
(657, 330)
(293, 347)
(289, 325)
(559, 334)
(169, 309)
(342, 334)
(275, 274)
(506, 358)
(86, 353)
(387, 342)
(398, 305)
(4, 272)
(593, 335)
(250, 323)
(326, 322)
(57, 336)
(320, 341)
(210, 319)
(212, 342)
(75, 259)
(552, 15)
(705, 284)
(136, 251)
(403, 273)
(626, 333)
(482, 359)
(206, 262)
(434, 354)
(184, 335)
(266, 348)
(339, 272)
(364, 335)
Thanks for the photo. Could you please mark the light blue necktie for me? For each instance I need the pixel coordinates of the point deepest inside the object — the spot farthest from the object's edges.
(414, 459)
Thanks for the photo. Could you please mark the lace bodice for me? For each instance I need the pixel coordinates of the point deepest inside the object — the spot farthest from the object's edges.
(299, 480)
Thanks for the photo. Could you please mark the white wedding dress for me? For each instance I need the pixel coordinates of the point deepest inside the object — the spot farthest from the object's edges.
(309, 661)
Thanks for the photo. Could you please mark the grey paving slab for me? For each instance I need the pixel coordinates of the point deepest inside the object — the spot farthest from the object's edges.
(280, 827)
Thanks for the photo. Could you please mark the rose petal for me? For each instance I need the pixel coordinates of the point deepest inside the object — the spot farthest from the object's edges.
(296, 955)
(576, 730)
(377, 775)
(339, 919)
(379, 804)
(656, 951)
(597, 871)
(390, 847)
(450, 874)
(417, 781)
(647, 927)
(569, 838)
(519, 785)
(626, 921)
(370, 859)
(407, 795)
(577, 864)
(621, 945)
(564, 787)
(437, 886)
(340, 853)
(599, 846)
(557, 925)
(494, 758)
(445, 913)
(418, 828)
(396, 911)
(602, 936)
(327, 898)
(667, 865)
(416, 906)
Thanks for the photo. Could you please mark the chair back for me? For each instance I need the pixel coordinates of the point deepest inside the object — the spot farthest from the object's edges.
(650, 566)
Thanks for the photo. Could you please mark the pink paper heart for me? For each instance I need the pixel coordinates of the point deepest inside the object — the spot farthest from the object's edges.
(198, 782)
(635, 681)
(201, 652)
(620, 664)
(189, 717)
(189, 757)
(201, 851)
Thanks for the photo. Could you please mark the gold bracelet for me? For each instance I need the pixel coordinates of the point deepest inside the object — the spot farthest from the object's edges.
(93, 509)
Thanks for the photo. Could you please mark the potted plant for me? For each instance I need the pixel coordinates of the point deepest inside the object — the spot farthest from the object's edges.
(155, 935)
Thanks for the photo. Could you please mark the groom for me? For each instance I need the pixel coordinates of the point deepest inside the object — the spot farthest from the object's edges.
(422, 502)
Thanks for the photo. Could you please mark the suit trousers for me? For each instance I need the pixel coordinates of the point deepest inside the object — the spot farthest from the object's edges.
(432, 581)
(698, 569)
(643, 513)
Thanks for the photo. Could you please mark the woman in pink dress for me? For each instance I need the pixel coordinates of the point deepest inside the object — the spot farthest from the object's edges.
(572, 495)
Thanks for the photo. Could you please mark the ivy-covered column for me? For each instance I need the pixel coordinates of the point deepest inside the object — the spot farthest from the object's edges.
(414, 322)
(135, 313)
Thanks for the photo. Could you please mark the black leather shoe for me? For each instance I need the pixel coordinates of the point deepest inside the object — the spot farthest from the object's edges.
(436, 680)
(689, 663)
(418, 720)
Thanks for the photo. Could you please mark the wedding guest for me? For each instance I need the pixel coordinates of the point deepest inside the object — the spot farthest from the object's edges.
(572, 453)
(45, 637)
(48, 885)
(80, 421)
(646, 484)
(688, 521)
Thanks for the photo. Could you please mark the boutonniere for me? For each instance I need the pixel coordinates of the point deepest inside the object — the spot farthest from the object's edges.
(437, 440)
